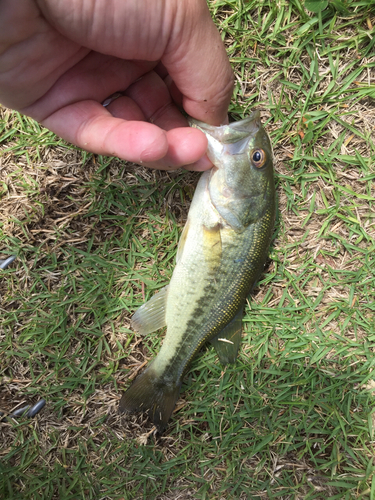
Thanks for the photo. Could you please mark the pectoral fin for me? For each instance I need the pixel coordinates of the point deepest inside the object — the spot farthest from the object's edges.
(227, 342)
(151, 315)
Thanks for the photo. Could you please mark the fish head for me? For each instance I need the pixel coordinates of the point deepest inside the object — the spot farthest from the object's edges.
(241, 184)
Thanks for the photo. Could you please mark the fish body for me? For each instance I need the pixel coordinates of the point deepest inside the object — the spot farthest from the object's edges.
(221, 254)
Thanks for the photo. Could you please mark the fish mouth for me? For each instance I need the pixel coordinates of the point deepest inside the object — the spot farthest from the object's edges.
(232, 133)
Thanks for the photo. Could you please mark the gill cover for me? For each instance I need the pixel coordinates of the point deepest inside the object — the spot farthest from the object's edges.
(242, 155)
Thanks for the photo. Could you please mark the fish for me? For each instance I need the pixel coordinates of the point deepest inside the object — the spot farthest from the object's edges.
(220, 257)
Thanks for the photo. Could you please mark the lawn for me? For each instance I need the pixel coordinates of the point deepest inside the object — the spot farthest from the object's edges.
(95, 237)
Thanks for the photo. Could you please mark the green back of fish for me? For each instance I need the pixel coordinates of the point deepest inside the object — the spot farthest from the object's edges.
(218, 264)
(225, 290)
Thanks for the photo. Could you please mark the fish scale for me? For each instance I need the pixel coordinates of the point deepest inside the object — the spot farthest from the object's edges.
(221, 255)
(212, 318)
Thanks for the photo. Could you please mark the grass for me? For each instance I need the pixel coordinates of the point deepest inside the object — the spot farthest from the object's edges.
(294, 418)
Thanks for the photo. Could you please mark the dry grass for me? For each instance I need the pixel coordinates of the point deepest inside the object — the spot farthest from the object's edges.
(95, 237)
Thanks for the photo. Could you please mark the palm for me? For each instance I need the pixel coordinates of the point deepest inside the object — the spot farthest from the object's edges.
(68, 70)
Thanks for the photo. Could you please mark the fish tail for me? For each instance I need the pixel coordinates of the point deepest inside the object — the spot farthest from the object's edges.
(152, 393)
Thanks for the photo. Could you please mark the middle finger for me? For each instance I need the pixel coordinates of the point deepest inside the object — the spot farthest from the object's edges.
(152, 96)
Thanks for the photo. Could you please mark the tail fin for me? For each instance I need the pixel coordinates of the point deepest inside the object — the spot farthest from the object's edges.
(151, 393)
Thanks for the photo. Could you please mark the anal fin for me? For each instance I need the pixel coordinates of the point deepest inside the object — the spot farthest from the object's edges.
(227, 342)
(151, 315)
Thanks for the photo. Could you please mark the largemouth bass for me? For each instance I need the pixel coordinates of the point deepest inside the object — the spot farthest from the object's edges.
(221, 254)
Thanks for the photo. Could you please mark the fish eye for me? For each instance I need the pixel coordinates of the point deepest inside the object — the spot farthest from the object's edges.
(258, 157)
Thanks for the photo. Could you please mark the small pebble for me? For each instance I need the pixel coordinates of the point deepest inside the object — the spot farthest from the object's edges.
(19, 412)
(26, 411)
(5, 263)
(36, 408)
(16, 413)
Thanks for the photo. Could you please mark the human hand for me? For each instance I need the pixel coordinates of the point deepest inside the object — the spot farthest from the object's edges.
(59, 60)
